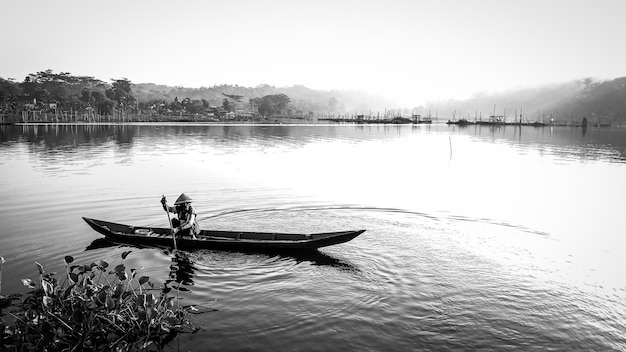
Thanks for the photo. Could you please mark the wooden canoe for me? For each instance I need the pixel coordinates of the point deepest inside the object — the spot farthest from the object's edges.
(212, 239)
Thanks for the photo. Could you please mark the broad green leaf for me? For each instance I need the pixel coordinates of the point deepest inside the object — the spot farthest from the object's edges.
(125, 254)
(120, 268)
(47, 287)
(110, 303)
(104, 264)
(73, 277)
(40, 268)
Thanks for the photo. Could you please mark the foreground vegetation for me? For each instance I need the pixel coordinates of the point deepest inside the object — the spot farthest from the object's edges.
(94, 307)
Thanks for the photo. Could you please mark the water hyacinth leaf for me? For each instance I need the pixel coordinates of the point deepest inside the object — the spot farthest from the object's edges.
(122, 275)
(49, 276)
(47, 287)
(109, 302)
(133, 272)
(150, 299)
(78, 316)
(199, 310)
(68, 259)
(142, 315)
(119, 288)
(125, 254)
(103, 264)
(143, 279)
(40, 268)
(140, 300)
(66, 292)
(173, 320)
(29, 283)
(47, 301)
(2, 261)
(120, 268)
(170, 301)
(102, 297)
(73, 277)
(150, 313)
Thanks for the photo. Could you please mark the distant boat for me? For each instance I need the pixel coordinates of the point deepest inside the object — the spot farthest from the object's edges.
(460, 122)
(400, 119)
(418, 119)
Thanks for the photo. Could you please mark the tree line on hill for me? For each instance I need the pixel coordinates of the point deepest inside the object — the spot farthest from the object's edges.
(599, 101)
(51, 92)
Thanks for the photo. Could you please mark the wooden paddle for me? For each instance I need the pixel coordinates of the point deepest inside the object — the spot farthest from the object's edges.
(169, 221)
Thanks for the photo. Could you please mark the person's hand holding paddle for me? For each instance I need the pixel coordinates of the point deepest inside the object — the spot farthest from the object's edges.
(169, 221)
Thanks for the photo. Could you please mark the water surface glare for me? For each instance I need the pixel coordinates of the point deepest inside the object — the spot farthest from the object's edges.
(478, 238)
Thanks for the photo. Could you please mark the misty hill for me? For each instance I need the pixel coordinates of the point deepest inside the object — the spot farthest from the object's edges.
(600, 102)
(65, 92)
(302, 98)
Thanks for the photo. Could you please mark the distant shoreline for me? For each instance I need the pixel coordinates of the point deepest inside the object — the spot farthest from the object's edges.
(204, 120)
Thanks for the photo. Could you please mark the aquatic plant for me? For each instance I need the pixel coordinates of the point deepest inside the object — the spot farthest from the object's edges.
(96, 308)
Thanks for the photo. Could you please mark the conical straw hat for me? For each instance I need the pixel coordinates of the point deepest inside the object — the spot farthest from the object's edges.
(183, 198)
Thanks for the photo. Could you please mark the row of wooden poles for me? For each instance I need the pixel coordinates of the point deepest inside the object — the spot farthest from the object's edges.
(370, 116)
(71, 116)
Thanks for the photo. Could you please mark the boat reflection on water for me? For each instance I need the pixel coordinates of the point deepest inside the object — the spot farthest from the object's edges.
(182, 268)
(320, 259)
(186, 266)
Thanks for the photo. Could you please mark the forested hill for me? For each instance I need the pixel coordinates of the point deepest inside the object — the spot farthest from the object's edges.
(599, 101)
(301, 98)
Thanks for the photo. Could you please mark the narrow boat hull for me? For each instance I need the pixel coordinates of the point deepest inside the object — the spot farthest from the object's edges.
(211, 239)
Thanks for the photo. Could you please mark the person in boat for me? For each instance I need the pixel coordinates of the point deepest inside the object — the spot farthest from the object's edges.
(186, 224)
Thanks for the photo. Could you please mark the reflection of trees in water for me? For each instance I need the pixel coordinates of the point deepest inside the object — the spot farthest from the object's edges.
(66, 143)
(83, 140)
(568, 142)
(53, 137)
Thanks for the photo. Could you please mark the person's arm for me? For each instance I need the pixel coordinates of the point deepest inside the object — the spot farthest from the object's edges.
(167, 207)
(187, 224)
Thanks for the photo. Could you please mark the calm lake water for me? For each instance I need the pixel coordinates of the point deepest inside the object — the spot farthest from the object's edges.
(477, 238)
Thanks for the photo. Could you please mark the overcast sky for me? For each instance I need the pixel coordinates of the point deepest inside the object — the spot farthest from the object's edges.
(409, 50)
